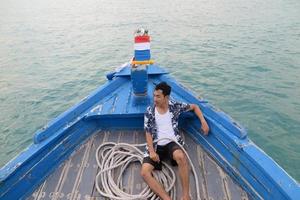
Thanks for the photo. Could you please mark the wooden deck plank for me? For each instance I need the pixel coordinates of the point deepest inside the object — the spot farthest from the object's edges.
(139, 181)
(66, 188)
(214, 180)
(50, 189)
(235, 191)
(75, 178)
(38, 193)
(136, 179)
(141, 137)
(52, 182)
(111, 136)
(108, 103)
(95, 194)
(122, 95)
(75, 194)
(128, 137)
(195, 151)
(203, 182)
(86, 184)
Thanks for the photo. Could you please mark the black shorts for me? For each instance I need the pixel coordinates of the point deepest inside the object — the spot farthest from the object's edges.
(165, 153)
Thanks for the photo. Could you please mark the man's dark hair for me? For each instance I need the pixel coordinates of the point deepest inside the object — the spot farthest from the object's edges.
(164, 87)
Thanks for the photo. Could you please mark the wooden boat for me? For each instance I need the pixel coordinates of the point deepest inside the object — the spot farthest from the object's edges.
(61, 162)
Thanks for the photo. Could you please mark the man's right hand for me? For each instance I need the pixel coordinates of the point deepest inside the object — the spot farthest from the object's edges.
(154, 156)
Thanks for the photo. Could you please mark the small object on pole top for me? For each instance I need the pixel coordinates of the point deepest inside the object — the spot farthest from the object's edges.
(141, 31)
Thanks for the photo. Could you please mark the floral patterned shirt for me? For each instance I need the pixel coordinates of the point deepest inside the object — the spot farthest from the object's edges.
(175, 109)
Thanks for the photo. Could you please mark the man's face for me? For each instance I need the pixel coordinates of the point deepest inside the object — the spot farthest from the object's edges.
(159, 98)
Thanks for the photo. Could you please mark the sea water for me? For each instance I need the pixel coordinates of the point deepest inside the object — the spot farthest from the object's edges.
(242, 56)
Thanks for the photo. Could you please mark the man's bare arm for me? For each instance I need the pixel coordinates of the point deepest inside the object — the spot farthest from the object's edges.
(149, 140)
(153, 155)
(199, 114)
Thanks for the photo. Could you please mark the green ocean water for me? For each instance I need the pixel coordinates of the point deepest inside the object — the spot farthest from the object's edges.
(242, 56)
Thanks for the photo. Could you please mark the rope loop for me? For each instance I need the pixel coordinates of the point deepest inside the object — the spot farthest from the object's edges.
(114, 158)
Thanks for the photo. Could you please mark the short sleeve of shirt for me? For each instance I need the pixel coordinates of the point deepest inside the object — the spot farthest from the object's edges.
(182, 107)
(147, 124)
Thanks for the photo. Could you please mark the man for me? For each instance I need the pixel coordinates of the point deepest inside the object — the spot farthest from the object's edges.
(161, 121)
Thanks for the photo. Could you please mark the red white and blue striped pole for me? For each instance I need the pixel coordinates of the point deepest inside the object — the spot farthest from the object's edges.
(140, 62)
(142, 53)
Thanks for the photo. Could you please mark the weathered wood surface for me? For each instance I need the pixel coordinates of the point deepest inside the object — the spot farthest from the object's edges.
(75, 178)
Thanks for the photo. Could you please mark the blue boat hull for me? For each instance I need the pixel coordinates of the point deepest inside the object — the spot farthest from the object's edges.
(113, 106)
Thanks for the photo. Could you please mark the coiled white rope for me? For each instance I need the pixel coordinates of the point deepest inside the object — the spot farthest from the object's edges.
(111, 156)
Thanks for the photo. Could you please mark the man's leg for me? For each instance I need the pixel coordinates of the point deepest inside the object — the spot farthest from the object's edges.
(183, 167)
(156, 187)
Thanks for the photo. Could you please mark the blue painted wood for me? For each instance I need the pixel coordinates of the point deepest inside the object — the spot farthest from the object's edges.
(113, 106)
(244, 168)
(152, 70)
(23, 182)
(141, 55)
(139, 80)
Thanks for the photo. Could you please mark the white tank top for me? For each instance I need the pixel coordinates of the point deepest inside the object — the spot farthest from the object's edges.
(164, 127)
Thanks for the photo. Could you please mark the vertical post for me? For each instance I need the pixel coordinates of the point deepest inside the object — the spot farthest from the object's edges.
(139, 64)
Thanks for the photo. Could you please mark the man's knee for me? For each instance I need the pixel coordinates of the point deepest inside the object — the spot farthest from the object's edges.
(146, 170)
(180, 157)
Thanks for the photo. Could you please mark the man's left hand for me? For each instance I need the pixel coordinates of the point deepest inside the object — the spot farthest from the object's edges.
(204, 127)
